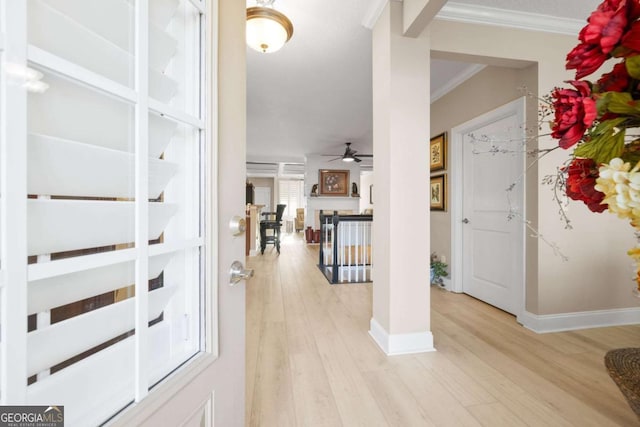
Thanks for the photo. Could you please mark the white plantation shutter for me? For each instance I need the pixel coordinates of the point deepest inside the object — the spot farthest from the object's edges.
(110, 180)
(284, 195)
(291, 193)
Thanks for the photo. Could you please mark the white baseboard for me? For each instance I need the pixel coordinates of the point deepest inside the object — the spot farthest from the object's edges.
(580, 320)
(418, 342)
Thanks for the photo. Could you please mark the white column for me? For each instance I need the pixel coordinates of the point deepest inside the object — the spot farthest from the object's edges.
(401, 303)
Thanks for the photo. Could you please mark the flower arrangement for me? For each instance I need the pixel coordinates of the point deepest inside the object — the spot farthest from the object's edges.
(599, 119)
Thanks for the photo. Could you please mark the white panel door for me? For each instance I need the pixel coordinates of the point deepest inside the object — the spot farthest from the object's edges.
(493, 243)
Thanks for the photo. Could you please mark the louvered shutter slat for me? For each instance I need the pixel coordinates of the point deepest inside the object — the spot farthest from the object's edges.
(98, 393)
(95, 53)
(67, 168)
(73, 336)
(67, 288)
(92, 118)
(66, 225)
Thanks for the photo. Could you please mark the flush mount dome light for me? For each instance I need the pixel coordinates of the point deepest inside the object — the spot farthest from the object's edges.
(267, 29)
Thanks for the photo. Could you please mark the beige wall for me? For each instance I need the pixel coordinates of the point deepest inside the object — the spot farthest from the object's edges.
(597, 275)
(491, 88)
(265, 182)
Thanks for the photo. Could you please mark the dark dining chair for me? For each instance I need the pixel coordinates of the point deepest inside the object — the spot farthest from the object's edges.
(270, 228)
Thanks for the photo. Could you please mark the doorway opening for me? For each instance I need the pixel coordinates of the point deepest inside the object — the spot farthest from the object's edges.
(488, 209)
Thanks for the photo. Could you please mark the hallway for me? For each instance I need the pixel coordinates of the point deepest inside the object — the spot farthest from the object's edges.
(311, 362)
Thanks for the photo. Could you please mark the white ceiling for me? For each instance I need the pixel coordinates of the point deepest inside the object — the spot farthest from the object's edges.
(314, 94)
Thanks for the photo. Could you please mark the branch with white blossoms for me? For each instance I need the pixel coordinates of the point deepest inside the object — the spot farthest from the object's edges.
(599, 119)
(535, 233)
(556, 249)
(497, 146)
(559, 184)
(576, 177)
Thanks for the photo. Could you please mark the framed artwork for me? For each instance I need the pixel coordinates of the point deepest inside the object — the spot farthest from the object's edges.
(438, 152)
(438, 192)
(334, 182)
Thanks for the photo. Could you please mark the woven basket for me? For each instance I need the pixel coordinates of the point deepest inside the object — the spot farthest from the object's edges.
(623, 365)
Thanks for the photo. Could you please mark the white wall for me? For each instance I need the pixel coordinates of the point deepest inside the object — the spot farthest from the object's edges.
(366, 181)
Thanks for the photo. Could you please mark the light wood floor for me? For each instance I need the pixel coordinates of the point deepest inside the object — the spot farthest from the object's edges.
(311, 362)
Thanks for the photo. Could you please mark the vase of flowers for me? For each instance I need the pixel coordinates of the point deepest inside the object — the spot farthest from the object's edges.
(600, 119)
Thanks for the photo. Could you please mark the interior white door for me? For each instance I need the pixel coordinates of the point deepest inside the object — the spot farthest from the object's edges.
(493, 252)
(262, 196)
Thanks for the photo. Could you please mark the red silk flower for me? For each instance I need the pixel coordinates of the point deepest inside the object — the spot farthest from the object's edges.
(631, 40)
(604, 31)
(581, 180)
(616, 81)
(575, 111)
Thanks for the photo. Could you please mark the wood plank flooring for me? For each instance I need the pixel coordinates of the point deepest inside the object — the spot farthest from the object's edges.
(311, 362)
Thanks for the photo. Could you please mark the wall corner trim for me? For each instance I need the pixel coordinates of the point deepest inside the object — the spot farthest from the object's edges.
(373, 13)
(580, 320)
(417, 342)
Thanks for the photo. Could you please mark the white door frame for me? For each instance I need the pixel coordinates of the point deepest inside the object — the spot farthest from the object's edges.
(456, 176)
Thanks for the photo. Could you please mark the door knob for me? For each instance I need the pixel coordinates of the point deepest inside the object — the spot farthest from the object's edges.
(238, 273)
(465, 221)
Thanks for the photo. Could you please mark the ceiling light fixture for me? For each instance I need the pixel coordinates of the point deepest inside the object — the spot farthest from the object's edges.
(348, 157)
(267, 29)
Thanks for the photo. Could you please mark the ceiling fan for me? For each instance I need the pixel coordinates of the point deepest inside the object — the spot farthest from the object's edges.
(349, 155)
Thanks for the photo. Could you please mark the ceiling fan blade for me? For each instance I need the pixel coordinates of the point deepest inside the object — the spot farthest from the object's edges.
(332, 155)
(349, 154)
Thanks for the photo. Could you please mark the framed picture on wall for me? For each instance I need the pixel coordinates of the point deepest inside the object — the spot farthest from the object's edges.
(438, 192)
(438, 152)
(334, 182)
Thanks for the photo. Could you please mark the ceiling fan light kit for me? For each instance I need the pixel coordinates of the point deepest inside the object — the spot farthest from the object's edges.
(349, 155)
(267, 29)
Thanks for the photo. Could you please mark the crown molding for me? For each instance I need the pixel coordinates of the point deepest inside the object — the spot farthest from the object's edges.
(475, 14)
(457, 80)
(373, 13)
